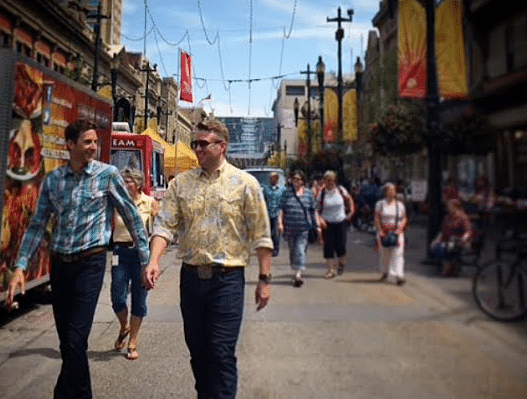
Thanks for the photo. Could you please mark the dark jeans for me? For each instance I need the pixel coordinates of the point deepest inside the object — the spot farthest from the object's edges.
(275, 235)
(128, 270)
(75, 289)
(212, 315)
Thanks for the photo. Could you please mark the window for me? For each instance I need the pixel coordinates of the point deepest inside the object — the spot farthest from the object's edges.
(158, 180)
(295, 91)
(126, 159)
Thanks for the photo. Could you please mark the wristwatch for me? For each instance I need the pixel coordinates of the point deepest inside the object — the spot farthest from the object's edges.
(266, 278)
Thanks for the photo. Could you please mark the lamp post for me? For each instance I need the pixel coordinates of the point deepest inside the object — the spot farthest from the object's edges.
(321, 70)
(97, 30)
(114, 72)
(308, 72)
(339, 35)
(147, 70)
(359, 71)
(434, 155)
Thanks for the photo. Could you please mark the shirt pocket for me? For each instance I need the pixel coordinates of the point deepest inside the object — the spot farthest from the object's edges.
(93, 201)
(231, 204)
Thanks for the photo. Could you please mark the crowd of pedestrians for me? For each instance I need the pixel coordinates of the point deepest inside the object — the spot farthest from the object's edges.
(219, 214)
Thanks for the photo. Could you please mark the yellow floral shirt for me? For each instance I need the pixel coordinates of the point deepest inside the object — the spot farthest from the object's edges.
(218, 219)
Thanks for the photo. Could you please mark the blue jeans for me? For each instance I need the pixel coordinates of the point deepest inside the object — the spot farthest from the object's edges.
(212, 315)
(298, 250)
(275, 235)
(128, 269)
(75, 289)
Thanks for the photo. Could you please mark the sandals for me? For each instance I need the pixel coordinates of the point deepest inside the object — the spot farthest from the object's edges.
(132, 353)
(120, 342)
(330, 274)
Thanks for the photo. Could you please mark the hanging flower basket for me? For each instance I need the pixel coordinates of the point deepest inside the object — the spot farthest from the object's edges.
(401, 130)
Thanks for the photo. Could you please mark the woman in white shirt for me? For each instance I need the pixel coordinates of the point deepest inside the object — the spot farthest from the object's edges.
(390, 217)
(336, 208)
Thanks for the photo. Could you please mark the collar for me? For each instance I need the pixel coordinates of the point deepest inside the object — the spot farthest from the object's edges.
(88, 169)
(217, 173)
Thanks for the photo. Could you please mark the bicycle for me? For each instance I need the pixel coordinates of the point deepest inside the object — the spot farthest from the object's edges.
(500, 286)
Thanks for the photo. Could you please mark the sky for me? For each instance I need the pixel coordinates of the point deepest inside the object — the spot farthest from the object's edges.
(242, 40)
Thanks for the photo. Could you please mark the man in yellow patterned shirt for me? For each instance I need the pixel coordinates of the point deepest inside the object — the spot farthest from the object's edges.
(219, 214)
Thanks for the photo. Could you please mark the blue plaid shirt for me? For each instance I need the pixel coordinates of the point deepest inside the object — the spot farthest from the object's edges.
(83, 207)
(273, 197)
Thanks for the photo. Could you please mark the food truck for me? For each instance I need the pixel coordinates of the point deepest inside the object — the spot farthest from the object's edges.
(139, 151)
(36, 105)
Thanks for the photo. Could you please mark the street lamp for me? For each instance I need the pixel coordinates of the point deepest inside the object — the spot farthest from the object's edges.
(339, 35)
(359, 71)
(296, 108)
(114, 71)
(321, 70)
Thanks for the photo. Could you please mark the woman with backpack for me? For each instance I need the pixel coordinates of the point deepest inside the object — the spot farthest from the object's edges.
(336, 208)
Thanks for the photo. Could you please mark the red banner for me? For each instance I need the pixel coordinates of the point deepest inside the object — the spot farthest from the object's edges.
(186, 78)
(412, 49)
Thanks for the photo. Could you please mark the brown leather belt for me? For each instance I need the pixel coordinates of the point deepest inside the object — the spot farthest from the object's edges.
(77, 256)
(209, 270)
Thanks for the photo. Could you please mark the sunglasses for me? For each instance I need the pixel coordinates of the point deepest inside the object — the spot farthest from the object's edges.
(203, 144)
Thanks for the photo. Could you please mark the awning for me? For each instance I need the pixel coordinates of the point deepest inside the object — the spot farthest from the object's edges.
(185, 159)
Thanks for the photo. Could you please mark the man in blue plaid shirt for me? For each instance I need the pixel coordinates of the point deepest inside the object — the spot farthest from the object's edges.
(81, 197)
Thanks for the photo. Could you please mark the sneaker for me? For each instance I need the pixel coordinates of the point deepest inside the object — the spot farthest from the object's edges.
(340, 270)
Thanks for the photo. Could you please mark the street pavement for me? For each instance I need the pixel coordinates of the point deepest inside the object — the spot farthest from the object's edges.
(350, 337)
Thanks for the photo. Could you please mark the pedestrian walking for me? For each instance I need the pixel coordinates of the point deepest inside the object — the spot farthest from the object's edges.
(391, 222)
(80, 198)
(220, 215)
(273, 195)
(297, 217)
(126, 267)
(336, 208)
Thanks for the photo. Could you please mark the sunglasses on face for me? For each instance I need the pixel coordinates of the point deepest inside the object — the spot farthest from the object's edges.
(203, 144)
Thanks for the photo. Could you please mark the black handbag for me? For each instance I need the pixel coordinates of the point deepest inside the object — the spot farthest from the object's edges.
(390, 239)
(313, 233)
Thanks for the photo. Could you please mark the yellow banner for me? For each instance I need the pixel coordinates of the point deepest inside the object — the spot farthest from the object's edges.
(331, 116)
(411, 45)
(303, 144)
(350, 116)
(450, 50)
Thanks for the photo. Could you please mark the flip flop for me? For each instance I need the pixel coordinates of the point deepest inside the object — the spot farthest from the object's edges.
(132, 353)
(120, 342)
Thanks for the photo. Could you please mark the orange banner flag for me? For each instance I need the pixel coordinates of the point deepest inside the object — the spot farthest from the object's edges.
(450, 50)
(411, 46)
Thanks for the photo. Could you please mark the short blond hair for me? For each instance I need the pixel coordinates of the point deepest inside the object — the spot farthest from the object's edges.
(135, 175)
(216, 126)
(330, 174)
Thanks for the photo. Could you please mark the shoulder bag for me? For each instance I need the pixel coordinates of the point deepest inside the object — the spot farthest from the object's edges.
(313, 234)
(390, 239)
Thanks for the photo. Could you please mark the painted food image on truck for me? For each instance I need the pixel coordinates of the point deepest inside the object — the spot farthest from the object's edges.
(44, 103)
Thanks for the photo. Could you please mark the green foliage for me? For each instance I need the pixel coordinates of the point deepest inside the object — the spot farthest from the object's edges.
(401, 130)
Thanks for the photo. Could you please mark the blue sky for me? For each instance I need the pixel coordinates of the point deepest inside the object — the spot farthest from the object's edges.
(310, 37)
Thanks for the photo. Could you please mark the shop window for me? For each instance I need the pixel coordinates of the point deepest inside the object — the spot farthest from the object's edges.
(295, 91)
(22, 48)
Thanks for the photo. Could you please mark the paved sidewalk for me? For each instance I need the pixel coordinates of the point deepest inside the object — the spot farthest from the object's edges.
(350, 337)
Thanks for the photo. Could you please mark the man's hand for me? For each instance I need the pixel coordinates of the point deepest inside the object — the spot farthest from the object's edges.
(150, 276)
(16, 279)
(262, 295)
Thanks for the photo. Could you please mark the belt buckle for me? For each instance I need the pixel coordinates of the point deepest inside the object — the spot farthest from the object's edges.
(205, 272)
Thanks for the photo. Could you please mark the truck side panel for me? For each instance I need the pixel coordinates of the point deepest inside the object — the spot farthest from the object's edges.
(34, 112)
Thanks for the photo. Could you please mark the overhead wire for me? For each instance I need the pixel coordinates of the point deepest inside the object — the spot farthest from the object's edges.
(217, 40)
